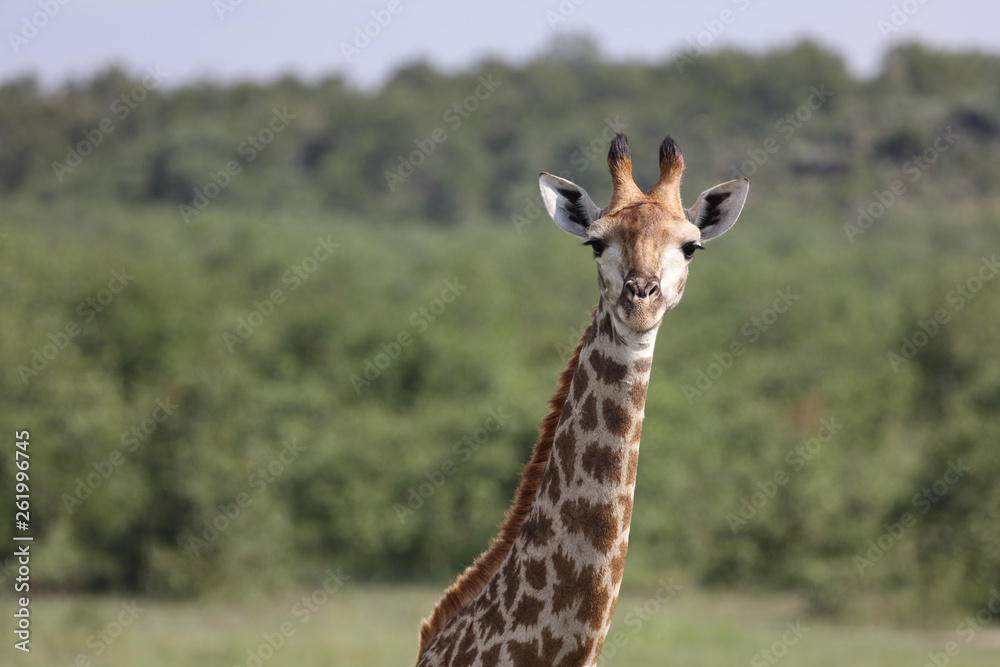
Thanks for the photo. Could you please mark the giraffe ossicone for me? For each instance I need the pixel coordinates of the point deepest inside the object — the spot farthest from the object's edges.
(544, 592)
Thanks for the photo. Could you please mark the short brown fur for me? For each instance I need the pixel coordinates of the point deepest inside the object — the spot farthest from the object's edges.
(477, 575)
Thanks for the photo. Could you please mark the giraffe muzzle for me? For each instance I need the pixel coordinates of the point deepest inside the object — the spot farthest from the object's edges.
(641, 303)
(642, 288)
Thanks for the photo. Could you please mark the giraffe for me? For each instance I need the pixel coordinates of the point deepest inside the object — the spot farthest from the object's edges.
(545, 590)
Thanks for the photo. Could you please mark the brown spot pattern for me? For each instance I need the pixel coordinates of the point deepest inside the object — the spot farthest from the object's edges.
(537, 529)
(589, 335)
(567, 410)
(523, 653)
(601, 463)
(550, 485)
(616, 418)
(527, 611)
(511, 574)
(588, 414)
(483, 604)
(637, 394)
(536, 572)
(580, 381)
(611, 610)
(633, 466)
(526, 654)
(606, 369)
(551, 645)
(450, 651)
(492, 656)
(626, 502)
(596, 361)
(643, 365)
(492, 622)
(493, 590)
(571, 586)
(636, 433)
(594, 607)
(562, 589)
(607, 328)
(576, 656)
(600, 645)
(618, 564)
(613, 372)
(595, 521)
(466, 653)
(565, 451)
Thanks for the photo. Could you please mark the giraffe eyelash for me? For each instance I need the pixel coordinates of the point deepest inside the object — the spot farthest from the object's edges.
(597, 245)
(689, 249)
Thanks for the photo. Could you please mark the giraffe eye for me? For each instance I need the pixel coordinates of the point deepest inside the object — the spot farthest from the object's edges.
(689, 248)
(597, 245)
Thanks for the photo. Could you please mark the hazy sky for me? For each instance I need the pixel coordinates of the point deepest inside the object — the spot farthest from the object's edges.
(227, 39)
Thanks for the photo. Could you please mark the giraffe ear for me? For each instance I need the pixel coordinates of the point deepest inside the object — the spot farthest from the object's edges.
(569, 205)
(717, 208)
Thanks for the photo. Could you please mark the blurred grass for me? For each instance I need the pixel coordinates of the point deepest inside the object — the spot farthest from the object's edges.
(376, 625)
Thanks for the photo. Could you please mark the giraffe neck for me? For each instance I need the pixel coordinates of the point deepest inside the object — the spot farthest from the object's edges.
(579, 524)
(552, 598)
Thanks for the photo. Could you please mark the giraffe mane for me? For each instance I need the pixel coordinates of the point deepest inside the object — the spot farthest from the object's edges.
(476, 576)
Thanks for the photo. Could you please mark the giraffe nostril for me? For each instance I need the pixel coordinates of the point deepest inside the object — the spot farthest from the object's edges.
(641, 288)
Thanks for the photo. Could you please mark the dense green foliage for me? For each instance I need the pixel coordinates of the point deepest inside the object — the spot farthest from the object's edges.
(311, 363)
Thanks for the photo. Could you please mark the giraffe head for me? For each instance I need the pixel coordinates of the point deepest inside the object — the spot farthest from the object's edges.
(643, 241)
